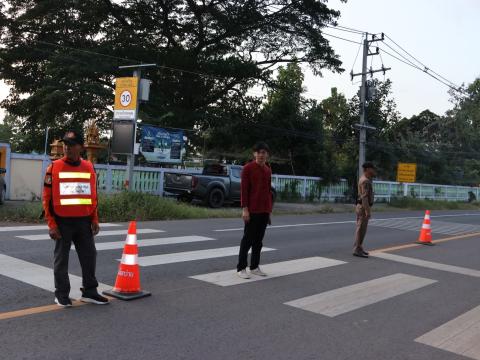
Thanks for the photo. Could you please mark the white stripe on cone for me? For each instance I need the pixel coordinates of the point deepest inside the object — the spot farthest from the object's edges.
(129, 259)
(131, 239)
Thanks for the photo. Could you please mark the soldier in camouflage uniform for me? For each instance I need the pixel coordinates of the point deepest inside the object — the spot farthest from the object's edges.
(363, 207)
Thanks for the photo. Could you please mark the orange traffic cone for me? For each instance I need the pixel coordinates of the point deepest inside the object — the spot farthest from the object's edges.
(127, 285)
(426, 231)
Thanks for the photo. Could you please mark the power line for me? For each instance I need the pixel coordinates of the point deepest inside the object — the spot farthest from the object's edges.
(341, 38)
(342, 29)
(413, 57)
(405, 60)
(420, 69)
(358, 52)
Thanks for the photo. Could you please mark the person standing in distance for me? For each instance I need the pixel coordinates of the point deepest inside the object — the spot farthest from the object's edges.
(256, 198)
(70, 206)
(364, 207)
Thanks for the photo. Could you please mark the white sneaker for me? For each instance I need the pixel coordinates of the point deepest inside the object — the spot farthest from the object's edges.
(243, 274)
(257, 272)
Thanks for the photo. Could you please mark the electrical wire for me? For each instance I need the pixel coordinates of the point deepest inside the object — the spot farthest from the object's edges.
(358, 52)
(414, 58)
(341, 38)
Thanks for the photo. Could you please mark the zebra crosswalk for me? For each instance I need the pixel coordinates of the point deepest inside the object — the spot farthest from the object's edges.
(331, 302)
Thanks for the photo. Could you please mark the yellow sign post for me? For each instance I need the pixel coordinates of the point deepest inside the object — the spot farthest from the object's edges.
(126, 92)
(407, 172)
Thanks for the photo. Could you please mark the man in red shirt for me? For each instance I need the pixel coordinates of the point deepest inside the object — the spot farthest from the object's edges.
(256, 196)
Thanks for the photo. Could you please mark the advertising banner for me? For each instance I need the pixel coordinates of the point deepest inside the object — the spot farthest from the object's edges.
(161, 146)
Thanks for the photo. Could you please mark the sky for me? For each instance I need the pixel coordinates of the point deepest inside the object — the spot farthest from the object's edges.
(442, 34)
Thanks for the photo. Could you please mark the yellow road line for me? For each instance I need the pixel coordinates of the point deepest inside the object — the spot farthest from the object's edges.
(40, 310)
(35, 310)
(407, 246)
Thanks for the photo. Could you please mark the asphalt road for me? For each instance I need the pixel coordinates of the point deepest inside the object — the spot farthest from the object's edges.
(327, 305)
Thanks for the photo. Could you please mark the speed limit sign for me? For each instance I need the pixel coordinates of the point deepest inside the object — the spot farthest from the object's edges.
(125, 98)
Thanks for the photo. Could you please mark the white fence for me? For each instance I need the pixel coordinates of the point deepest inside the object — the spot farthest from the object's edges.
(25, 172)
(111, 178)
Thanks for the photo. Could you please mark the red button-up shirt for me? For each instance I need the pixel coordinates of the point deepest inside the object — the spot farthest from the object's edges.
(256, 193)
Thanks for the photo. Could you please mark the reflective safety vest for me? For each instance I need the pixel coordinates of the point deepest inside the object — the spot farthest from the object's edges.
(74, 191)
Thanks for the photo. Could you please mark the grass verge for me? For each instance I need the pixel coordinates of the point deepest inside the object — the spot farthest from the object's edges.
(126, 206)
(423, 204)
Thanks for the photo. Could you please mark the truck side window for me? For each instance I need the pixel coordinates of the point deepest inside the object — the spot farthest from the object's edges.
(236, 173)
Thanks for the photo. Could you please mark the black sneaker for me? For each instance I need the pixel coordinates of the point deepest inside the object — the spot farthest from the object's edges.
(360, 254)
(63, 302)
(94, 298)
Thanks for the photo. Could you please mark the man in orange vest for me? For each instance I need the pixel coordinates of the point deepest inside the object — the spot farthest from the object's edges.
(70, 205)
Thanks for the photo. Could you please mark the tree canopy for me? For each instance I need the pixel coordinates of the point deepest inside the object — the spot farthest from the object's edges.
(61, 56)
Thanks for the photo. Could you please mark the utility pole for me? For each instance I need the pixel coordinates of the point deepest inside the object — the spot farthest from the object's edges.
(364, 89)
(137, 73)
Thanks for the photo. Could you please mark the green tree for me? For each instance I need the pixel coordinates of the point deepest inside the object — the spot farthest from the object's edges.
(51, 54)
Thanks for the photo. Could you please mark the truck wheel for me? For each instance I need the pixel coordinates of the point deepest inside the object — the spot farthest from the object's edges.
(216, 198)
(2, 195)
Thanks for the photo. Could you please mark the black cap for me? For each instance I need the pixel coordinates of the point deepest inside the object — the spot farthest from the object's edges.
(368, 165)
(261, 146)
(73, 137)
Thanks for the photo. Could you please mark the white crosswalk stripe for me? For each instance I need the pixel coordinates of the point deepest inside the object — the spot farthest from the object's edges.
(41, 227)
(340, 301)
(439, 227)
(151, 242)
(427, 264)
(39, 276)
(101, 233)
(229, 277)
(190, 256)
(459, 336)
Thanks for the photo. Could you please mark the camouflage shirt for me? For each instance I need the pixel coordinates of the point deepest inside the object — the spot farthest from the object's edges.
(365, 191)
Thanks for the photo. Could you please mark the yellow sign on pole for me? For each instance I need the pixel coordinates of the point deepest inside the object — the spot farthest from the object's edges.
(407, 172)
(126, 90)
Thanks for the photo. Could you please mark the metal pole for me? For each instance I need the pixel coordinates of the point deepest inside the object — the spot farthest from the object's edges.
(131, 157)
(363, 115)
(46, 141)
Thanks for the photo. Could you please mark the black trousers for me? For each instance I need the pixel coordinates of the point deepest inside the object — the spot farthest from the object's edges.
(253, 234)
(79, 232)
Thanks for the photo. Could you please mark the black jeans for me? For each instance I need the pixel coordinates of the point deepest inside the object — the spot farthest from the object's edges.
(78, 231)
(253, 234)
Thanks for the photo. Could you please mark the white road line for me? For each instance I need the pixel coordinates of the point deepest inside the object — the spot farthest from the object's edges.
(151, 242)
(340, 301)
(101, 233)
(427, 264)
(460, 335)
(190, 256)
(40, 227)
(348, 222)
(292, 225)
(284, 268)
(39, 276)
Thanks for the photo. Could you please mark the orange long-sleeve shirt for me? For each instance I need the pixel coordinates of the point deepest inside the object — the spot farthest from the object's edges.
(47, 199)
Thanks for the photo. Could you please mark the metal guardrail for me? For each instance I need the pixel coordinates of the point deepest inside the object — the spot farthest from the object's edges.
(111, 178)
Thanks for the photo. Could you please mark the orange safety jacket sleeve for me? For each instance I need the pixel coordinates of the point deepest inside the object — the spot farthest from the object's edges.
(47, 199)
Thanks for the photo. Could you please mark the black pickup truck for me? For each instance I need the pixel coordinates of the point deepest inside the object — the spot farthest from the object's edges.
(217, 185)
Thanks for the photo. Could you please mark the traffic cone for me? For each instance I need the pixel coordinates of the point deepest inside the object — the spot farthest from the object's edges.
(127, 285)
(426, 231)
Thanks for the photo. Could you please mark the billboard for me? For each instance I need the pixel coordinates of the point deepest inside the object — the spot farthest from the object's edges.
(161, 146)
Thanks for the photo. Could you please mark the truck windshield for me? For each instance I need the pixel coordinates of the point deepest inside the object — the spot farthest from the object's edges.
(215, 169)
